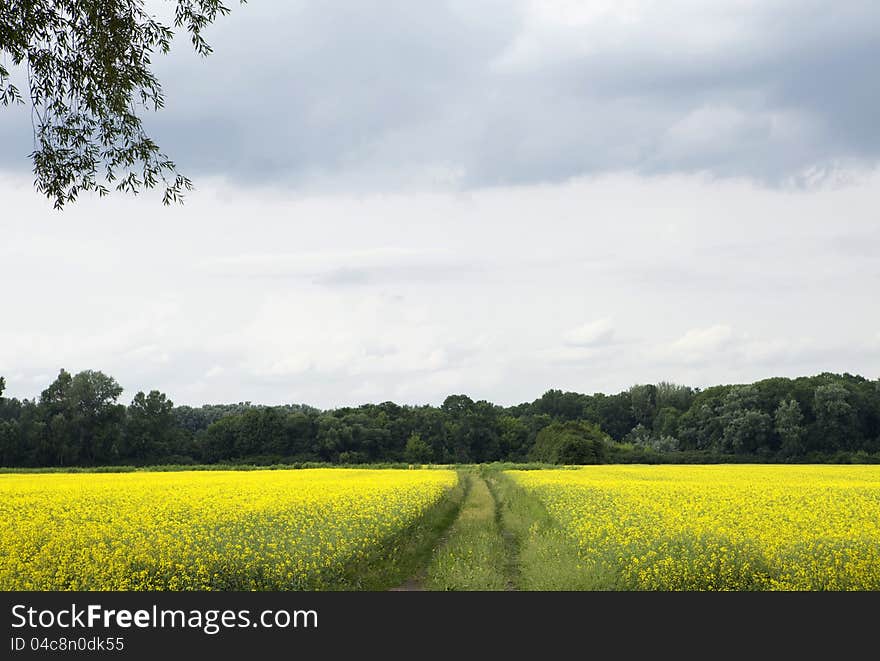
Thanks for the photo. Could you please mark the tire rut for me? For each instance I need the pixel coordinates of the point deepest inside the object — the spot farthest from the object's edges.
(511, 546)
(508, 569)
(416, 583)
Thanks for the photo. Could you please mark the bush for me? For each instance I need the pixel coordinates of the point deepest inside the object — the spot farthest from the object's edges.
(574, 442)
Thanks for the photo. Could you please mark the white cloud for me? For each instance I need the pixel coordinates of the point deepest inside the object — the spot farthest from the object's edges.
(493, 293)
(701, 343)
(559, 30)
(591, 334)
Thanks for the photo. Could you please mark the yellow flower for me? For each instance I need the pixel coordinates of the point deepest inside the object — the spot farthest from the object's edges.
(192, 530)
(721, 527)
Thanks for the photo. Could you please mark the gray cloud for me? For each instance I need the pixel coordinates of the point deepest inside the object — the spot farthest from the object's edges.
(394, 95)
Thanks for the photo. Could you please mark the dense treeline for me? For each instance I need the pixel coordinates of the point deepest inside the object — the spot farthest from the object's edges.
(79, 421)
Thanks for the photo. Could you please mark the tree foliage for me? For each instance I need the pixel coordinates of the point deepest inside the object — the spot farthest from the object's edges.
(88, 67)
(745, 425)
(79, 421)
(835, 416)
(416, 451)
(570, 443)
(150, 430)
(789, 426)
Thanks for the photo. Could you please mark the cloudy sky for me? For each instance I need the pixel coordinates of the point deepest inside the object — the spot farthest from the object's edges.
(401, 200)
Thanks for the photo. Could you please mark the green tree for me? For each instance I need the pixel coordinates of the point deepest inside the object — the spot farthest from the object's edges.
(259, 431)
(61, 445)
(562, 405)
(666, 421)
(431, 424)
(333, 437)
(613, 413)
(745, 427)
(513, 438)
(644, 437)
(300, 429)
(88, 69)
(457, 405)
(12, 446)
(150, 429)
(417, 451)
(83, 419)
(747, 431)
(643, 403)
(98, 418)
(835, 417)
(218, 442)
(674, 395)
(10, 454)
(789, 426)
(56, 444)
(700, 427)
(472, 429)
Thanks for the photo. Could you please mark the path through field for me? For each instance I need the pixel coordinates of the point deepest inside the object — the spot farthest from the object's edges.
(477, 551)
(511, 545)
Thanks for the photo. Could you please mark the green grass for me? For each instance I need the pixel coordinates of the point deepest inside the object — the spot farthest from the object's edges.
(474, 556)
(505, 539)
(546, 556)
(402, 555)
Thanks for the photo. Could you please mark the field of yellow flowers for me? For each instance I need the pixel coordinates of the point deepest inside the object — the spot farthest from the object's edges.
(217, 530)
(718, 527)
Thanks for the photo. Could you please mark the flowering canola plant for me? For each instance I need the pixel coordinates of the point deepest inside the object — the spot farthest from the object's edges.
(212, 530)
(741, 527)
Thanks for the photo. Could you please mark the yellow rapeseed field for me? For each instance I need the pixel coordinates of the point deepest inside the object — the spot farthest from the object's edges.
(719, 527)
(223, 530)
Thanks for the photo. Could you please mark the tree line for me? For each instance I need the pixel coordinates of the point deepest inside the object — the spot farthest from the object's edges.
(78, 420)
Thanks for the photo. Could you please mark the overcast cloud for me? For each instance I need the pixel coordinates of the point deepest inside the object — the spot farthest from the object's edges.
(339, 299)
(402, 95)
(403, 200)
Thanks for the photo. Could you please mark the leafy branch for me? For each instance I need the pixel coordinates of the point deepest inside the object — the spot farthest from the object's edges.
(88, 70)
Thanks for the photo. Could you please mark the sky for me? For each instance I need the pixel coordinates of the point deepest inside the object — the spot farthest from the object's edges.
(401, 201)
